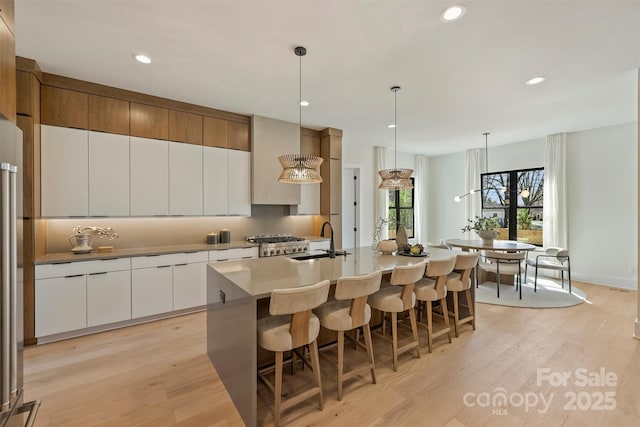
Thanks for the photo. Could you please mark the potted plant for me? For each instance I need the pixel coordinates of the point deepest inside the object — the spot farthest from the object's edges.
(485, 228)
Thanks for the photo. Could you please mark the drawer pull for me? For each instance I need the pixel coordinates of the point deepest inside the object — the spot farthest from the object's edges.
(74, 275)
(224, 259)
(95, 274)
(180, 265)
(163, 266)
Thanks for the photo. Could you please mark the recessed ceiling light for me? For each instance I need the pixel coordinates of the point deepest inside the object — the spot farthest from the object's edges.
(391, 126)
(142, 58)
(452, 13)
(304, 103)
(535, 80)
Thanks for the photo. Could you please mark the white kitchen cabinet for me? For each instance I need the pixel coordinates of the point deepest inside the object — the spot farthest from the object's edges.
(185, 179)
(235, 253)
(108, 297)
(151, 291)
(215, 165)
(64, 172)
(108, 174)
(309, 199)
(149, 169)
(239, 182)
(189, 285)
(61, 305)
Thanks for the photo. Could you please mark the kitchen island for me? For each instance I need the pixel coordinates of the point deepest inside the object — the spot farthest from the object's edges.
(235, 290)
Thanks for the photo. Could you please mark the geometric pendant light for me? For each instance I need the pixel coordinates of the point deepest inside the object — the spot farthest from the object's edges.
(395, 179)
(300, 168)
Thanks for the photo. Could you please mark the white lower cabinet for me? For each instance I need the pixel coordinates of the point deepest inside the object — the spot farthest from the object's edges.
(151, 291)
(189, 285)
(108, 297)
(61, 304)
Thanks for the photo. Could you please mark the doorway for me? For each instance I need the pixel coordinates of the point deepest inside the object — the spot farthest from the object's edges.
(350, 207)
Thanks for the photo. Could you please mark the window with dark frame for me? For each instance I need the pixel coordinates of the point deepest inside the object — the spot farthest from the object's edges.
(515, 198)
(401, 209)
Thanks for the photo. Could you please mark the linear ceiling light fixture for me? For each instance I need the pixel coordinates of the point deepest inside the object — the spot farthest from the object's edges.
(395, 179)
(300, 168)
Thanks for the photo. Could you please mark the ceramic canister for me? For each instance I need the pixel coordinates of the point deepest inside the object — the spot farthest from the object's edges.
(224, 235)
(212, 238)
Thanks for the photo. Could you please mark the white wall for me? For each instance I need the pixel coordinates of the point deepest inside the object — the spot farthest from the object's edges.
(602, 187)
(447, 177)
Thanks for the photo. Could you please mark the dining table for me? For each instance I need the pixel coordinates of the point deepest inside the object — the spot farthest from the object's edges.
(495, 245)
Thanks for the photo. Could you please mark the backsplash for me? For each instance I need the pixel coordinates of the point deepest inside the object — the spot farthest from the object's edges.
(146, 232)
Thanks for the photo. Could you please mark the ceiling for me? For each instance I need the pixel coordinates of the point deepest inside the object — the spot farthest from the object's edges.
(458, 79)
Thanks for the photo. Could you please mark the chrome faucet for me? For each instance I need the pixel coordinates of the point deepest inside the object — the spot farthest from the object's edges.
(332, 247)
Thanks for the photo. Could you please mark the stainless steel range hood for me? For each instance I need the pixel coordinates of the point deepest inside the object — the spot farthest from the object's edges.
(271, 138)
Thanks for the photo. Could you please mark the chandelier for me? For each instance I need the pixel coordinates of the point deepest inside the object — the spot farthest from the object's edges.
(395, 179)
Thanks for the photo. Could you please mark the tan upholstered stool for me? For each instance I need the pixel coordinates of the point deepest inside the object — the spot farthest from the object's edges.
(350, 311)
(290, 326)
(397, 298)
(434, 288)
(460, 281)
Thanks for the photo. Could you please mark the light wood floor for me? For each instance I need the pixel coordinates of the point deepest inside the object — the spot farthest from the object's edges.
(158, 374)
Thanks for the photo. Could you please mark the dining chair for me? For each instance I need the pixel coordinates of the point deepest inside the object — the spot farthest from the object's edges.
(504, 263)
(459, 282)
(553, 259)
(292, 325)
(350, 311)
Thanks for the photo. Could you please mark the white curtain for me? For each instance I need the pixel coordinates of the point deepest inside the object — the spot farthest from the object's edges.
(475, 166)
(555, 230)
(421, 191)
(380, 197)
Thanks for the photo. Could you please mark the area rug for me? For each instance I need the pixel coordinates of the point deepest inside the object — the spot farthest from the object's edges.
(549, 295)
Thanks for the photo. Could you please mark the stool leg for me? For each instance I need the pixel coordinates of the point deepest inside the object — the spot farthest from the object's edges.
(384, 324)
(293, 362)
(394, 339)
(367, 339)
(340, 362)
(278, 387)
(355, 345)
(429, 325)
(315, 365)
(414, 330)
(470, 307)
(445, 312)
(456, 315)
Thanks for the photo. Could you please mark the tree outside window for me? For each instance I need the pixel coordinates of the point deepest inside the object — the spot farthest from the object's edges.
(401, 210)
(515, 198)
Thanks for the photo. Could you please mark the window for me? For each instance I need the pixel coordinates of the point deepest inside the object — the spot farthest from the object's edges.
(515, 198)
(401, 210)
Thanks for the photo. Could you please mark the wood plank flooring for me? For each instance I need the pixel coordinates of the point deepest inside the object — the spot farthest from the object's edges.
(158, 374)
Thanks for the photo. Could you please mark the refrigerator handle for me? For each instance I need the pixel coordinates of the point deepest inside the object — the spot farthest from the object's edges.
(13, 282)
(5, 278)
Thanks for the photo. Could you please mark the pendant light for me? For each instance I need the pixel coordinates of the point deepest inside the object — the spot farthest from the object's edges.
(300, 168)
(395, 179)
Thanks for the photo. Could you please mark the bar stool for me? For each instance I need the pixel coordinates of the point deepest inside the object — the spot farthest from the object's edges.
(397, 298)
(290, 326)
(350, 311)
(460, 281)
(434, 288)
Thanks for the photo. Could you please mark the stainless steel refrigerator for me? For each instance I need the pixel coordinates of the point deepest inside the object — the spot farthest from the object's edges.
(14, 411)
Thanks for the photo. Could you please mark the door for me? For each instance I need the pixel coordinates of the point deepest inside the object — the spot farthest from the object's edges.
(108, 174)
(151, 291)
(108, 297)
(189, 285)
(216, 180)
(61, 304)
(149, 177)
(350, 207)
(239, 182)
(185, 179)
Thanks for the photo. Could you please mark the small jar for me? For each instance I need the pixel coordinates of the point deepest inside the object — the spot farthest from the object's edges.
(224, 235)
(212, 238)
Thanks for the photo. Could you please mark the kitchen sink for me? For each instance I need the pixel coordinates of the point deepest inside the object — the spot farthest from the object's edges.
(316, 254)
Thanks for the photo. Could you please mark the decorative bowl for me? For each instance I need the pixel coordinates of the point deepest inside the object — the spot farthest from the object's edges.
(387, 247)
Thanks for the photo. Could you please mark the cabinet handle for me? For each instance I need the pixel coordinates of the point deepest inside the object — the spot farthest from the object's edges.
(74, 275)
(163, 266)
(247, 257)
(224, 259)
(180, 265)
(95, 274)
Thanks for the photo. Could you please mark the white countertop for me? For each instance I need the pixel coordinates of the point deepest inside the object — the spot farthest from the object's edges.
(259, 276)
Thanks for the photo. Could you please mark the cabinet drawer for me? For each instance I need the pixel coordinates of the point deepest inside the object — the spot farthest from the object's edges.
(46, 271)
(189, 257)
(152, 261)
(237, 253)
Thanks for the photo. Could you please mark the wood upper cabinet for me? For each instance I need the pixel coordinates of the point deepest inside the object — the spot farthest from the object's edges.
(7, 72)
(63, 107)
(216, 132)
(7, 13)
(108, 115)
(239, 136)
(149, 122)
(27, 92)
(185, 127)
